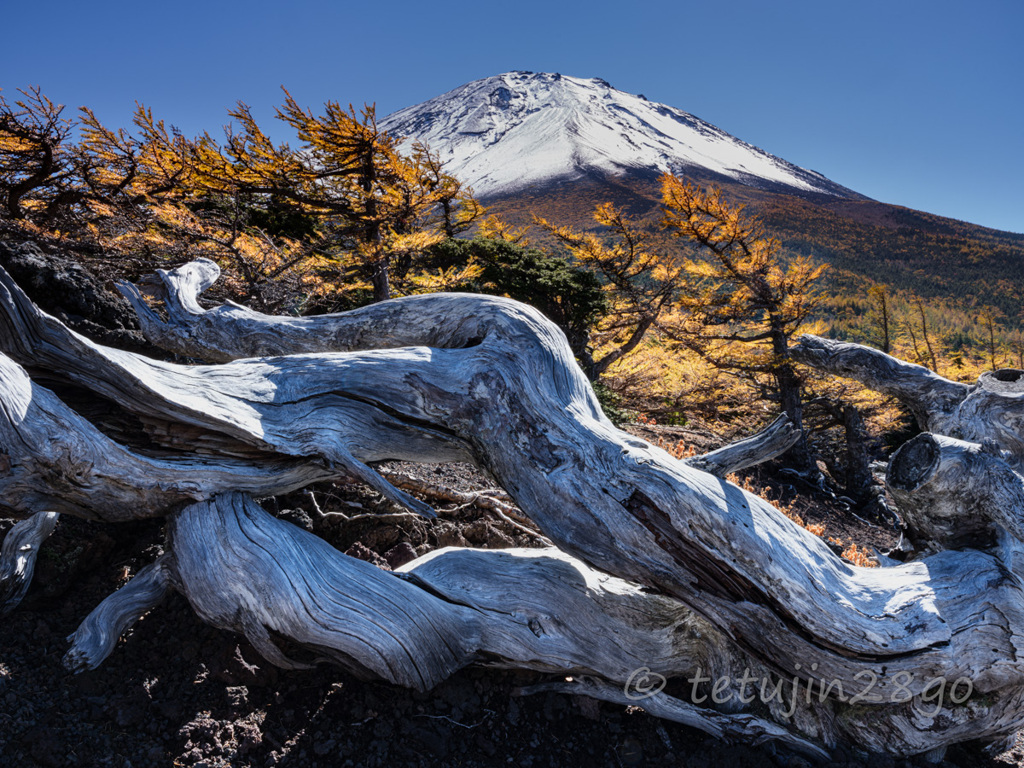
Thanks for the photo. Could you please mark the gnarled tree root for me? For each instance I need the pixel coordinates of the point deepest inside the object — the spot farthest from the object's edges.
(448, 376)
(242, 569)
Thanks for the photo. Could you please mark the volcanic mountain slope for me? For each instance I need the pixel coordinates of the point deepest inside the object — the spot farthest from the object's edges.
(508, 133)
(555, 146)
(942, 261)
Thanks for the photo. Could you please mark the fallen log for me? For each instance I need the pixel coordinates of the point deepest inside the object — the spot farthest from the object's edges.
(861, 653)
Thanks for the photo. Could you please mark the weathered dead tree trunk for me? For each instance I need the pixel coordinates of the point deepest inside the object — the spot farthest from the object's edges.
(662, 570)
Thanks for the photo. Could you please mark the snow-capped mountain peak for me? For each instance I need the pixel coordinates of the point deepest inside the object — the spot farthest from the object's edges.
(508, 132)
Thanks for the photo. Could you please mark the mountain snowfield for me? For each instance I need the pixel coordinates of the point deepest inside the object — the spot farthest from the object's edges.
(505, 133)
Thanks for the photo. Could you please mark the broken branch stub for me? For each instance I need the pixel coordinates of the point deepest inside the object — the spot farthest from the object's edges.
(954, 494)
(18, 557)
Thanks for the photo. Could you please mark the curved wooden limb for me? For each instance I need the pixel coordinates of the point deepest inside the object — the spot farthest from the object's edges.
(19, 553)
(184, 332)
(52, 458)
(771, 442)
(245, 570)
(97, 635)
(989, 411)
(230, 331)
(447, 609)
(932, 399)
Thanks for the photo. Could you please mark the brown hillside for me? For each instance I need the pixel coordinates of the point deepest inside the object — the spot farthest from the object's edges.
(927, 255)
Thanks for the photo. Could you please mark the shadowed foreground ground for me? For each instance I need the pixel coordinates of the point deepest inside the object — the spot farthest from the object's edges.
(177, 692)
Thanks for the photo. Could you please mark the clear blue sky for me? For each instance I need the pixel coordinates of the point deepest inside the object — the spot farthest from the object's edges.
(918, 103)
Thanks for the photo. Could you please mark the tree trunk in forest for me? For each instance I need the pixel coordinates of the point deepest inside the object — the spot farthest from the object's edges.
(789, 386)
(858, 480)
(381, 279)
(660, 570)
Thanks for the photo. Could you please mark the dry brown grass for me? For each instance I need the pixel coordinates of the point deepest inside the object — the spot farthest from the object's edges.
(680, 450)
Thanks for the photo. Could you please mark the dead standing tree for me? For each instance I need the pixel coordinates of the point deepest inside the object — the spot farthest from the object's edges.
(708, 584)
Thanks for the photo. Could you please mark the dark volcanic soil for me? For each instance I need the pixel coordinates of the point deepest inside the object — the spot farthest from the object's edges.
(176, 692)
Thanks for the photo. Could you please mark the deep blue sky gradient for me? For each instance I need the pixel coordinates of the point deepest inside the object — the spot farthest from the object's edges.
(913, 102)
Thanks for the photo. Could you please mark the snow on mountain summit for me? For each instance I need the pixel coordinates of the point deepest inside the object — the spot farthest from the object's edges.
(507, 132)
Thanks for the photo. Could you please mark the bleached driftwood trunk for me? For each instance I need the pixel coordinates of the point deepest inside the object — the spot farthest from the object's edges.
(662, 569)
